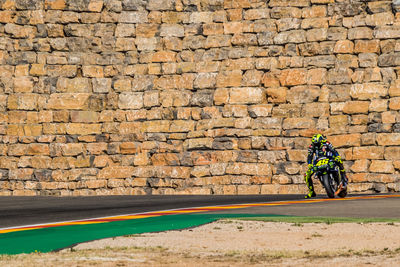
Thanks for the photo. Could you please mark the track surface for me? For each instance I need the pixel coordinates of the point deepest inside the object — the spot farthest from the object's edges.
(357, 208)
(16, 211)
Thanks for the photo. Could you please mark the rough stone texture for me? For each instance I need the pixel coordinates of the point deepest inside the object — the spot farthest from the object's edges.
(195, 97)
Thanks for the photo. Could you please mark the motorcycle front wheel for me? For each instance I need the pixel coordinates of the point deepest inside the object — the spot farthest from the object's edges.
(329, 188)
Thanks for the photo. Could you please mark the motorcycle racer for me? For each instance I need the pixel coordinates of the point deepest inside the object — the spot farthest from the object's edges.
(320, 147)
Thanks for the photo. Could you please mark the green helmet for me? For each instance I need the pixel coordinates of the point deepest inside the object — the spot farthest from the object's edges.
(318, 139)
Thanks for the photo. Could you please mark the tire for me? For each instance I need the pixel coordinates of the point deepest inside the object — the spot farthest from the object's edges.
(327, 185)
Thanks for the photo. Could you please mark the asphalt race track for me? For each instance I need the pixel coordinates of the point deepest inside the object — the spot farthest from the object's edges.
(17, 211)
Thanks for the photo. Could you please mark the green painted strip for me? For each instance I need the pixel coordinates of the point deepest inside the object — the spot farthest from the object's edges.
(54, 238)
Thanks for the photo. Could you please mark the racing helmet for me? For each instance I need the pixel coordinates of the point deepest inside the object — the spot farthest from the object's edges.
(318, 139)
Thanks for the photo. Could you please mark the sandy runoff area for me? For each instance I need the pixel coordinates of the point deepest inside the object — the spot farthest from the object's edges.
(236, 243)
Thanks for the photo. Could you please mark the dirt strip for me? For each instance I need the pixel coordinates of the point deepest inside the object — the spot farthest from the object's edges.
(237, 243)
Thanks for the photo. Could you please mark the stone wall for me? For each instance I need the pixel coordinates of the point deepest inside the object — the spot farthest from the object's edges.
(195, 96)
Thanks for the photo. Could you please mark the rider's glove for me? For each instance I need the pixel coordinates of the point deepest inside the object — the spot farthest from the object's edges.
(338, 159)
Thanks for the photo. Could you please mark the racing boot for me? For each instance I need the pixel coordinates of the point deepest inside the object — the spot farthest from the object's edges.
(343, 184)
(310, 186)
(310, 194)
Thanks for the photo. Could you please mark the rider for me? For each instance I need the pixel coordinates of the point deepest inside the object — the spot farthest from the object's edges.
(322, 148)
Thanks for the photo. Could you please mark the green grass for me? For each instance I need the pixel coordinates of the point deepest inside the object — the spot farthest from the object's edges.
(298, 220)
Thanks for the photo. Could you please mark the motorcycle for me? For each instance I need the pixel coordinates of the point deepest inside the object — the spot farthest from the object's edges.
(327, 172)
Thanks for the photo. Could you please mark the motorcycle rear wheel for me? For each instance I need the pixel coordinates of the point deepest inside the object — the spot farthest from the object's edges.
(330, 191)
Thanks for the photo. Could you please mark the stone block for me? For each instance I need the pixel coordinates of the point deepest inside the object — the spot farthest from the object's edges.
(175, 98)
(93, 71)
(205, 80)
(286, 24)
(221, 96)
(72, 149)
(151, 99)
(248, 189)
(101, 85)
(368, 152)
(125, 30)
(266, 63)
(213, 29)
(344, 47)
(252, 78)
(246, 95)
(316, 110)
(294, 36)
(380, 6)
(163, 56)
(370, 60)
(133, 17)
(394, 103)
(122, 85)
(394, 89)
(256, 14)
(55, 4)
(290, 77)
(388, 139)
(389, 117)
(229, 78)
(309, 23)
(202, 98)
(392, 153)
(147, 30)
(368, 91)
(182, 126)
(125, 44)
(156, 126)
(84, 116)
(367, 46)
(24, 130)
(360, 166)
(130, 100)
(381, 166)
(378, 105)
(315, 35)
(298, 123)
(314, 11)
(303, 94)
(263, 110)
(360, 33)
(276, 95)
(355, 107)
(83, 128)
(387, 60)
(172, 30)
(116, 172)
(289, 3)
(240, 168)
(23, 84)
(297, 155)
(217, 41)
(146, 44)
(287, 110)
(347, 140)
(160, 5)
(387, 32)
(78, 101)
(285, 12)
(317, 76)
(75, 85)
